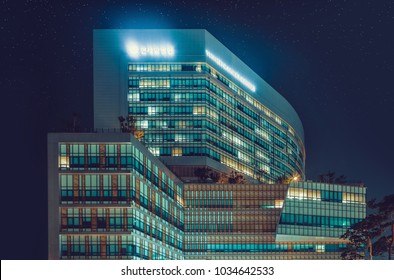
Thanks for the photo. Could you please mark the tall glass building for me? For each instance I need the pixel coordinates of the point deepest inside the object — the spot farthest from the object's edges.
(196, 102)
(112, 196)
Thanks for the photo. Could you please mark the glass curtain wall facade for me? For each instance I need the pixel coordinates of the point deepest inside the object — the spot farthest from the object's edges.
(110, 198)
(192, 109)
(321, 209)
(114, 201)
(193, 98)
(300, 221)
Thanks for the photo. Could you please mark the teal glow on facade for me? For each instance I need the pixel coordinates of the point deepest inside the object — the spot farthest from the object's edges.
(111, 196)
(320, 209)
(114, 200)
(200, 101)
(187, 112)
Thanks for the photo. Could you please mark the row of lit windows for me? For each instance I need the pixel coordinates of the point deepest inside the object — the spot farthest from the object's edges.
(229, 203)
(165, 67)
(238, 129)
(325, 195)
(216, 140)
(170, 110)
(222, 106)
(238, 228)
(270, 247)
(106, 247)
(235, 190)
(214, 128)
(184, 151)
(209, 227)
(310, 207)
(152, 138)
(301, 230)
(194, 140)
(171, 97)
(227, 216)
(118, 163)
(247, 214)
(174, 137)
(119, 219)
(155, 83)
(115, 157)
(152, 110)
(341, 187)
(317, 221)
(92, 149)
(208, 69)
(136, 191)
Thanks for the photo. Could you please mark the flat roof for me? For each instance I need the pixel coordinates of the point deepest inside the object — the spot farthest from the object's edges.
(183, 45)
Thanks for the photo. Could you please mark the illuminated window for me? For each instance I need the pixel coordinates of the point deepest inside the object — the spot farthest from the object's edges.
(265, 168)
(243, 157)
(151, 110)
(213, 114)
(298, 193)
(320, 248)
(198, 110)
(144, 124)
(178, 97)
(64, 162)
(180, 137)
(237, 141)
(263, 134)
(353, 198)
(177, 152)
(279, 203)
(182, 124)
(134, 97)
(154, 83)
(263, 156)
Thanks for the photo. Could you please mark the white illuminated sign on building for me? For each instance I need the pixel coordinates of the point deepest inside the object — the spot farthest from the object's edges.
(136, 50)
(232, 72)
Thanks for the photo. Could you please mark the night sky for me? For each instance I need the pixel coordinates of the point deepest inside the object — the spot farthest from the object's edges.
(332, 60)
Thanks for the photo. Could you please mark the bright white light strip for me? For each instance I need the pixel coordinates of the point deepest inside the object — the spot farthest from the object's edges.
(134, 50)
(232, 72)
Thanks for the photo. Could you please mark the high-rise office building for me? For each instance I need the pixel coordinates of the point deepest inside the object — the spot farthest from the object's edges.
(194, 104)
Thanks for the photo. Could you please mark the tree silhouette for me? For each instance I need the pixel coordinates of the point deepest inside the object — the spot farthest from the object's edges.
(283, 179)
(330, 177)
(202, 173)
(218, 177)
(260, 175)
(236, 178)
(361, 236)
(129, 126)
(374, 233)
(382, 246)
(287, 179)
(385, 208)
